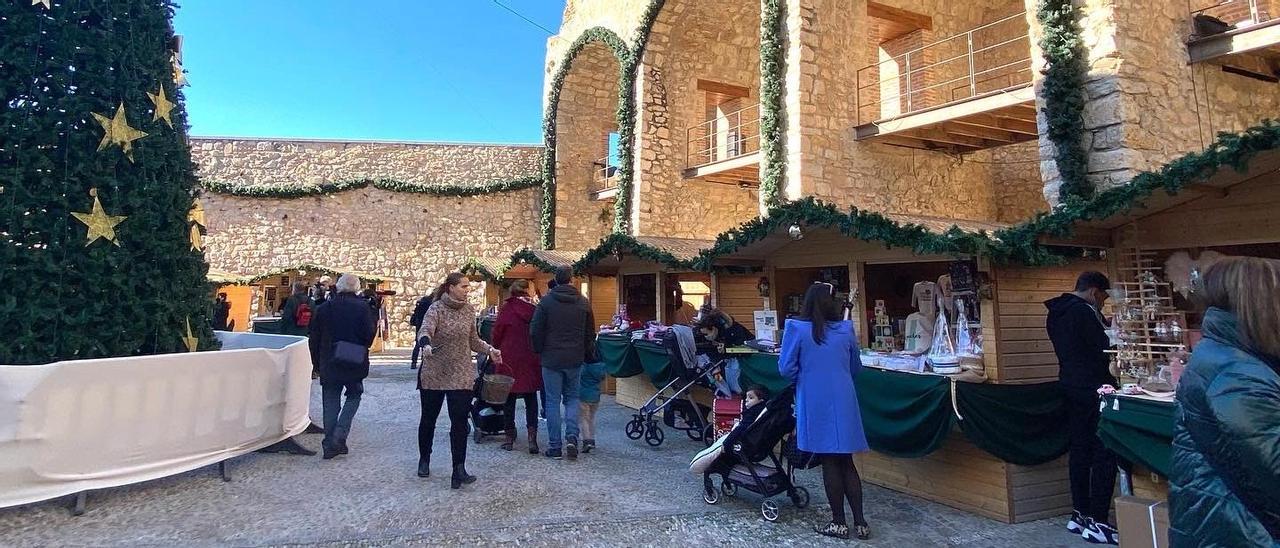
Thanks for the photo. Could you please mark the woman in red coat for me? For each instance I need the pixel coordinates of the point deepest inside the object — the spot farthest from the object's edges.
(511, 336)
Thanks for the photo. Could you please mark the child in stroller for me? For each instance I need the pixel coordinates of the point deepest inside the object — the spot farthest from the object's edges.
(739, 457)
(487, 419)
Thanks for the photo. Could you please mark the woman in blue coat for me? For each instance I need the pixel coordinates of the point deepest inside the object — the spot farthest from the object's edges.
(820, 354)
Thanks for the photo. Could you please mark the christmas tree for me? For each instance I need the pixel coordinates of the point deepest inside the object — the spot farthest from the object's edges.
(100, 251)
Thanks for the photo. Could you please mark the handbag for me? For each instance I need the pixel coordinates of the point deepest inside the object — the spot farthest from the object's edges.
(798, 458)
(349, 354)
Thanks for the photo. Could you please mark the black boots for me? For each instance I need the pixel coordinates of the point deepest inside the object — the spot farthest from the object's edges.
(533, 440)
(424, 468)
(460, 476)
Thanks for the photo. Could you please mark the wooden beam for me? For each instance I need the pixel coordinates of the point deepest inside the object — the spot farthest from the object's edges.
(938, 135)
(900, 16)
(900, 140)
(1012, 125)
(988, 103)
(956, 128)
(728, 90)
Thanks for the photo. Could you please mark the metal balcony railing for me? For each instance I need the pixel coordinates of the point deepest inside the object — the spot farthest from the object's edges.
(604, 175)
(1226, 15)
(991, 58)
(724, 137)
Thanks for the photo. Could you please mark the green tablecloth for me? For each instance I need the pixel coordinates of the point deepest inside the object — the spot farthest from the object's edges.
(620, 359)
(1017, 423)
(760, 368)
(655, 361)
(270, 326)
(1139, 430)
(904, 415)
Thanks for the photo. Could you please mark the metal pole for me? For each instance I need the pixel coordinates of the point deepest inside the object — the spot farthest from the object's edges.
(973, 86)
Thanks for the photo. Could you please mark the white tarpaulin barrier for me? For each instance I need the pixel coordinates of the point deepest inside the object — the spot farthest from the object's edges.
(68, 427)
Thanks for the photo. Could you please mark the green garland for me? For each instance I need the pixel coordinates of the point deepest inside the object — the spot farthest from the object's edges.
(1229, 150)
(627, 114)
(392, 185)
(246, 280)
(522, 256)
(625, 243)
(772, 75)
(1063, 92)
(474, 266)
(863, 225)
(626, 106)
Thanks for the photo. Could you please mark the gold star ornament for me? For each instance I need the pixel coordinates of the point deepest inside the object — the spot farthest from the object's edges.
(196, 214)
(179, 74)
(191, 341)
(163, 107)
(100, 224)
(197, 243)
(118, 132)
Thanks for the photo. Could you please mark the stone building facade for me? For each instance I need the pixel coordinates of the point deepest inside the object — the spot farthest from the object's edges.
(1145, 103)
(411, 239)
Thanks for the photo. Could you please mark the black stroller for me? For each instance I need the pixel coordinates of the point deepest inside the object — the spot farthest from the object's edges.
(674, 401)
(743, 461)
(487, 419)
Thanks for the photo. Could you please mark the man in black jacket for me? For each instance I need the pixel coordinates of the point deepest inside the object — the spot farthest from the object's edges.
(1079, 335)
(341, 333)
(419, 312)
(564, 336)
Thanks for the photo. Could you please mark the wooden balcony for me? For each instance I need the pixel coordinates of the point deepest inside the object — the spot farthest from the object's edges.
(965, 93)
(1242, 36)
(725, 149)
(604, 179)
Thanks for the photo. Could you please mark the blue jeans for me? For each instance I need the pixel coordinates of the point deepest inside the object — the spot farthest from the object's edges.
(562, 386)
(338, 417)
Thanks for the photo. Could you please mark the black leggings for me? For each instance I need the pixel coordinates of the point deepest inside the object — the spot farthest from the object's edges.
(841, 480)
(530, 411)
(459, 410)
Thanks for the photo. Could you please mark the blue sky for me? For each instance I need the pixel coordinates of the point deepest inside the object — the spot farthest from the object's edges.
(422, 70)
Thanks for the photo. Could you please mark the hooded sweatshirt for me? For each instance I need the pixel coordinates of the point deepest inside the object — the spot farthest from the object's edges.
(563, 329)
(1079, 337)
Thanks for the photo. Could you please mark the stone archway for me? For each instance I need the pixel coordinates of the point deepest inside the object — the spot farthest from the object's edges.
(693, 46)
(586, 152)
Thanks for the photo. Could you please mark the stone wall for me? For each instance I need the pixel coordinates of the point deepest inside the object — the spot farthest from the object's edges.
(691, 40)
(824, 53)
(1145, 104)
(412, 239)
(587, 114)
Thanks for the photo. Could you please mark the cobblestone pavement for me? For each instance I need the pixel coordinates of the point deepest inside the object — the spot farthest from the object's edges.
(624, 494)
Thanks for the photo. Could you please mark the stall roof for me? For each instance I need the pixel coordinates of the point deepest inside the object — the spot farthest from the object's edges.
(521, 264)
(674, 253)
(1232, 160)
(923, 235)
(227, 277)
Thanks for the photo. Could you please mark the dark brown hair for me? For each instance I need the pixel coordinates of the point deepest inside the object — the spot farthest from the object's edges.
(819, 308)
(1249, 288)
(454, 278)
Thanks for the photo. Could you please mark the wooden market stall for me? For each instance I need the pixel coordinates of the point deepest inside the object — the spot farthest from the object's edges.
(1158, 235)
(877, 260)
(652, 280)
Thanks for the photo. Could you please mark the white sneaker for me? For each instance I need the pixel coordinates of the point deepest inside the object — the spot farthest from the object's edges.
(1075, 525)
(1100, 533)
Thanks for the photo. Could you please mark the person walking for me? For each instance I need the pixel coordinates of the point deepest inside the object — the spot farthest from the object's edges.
(511, 336)
(1225, 480)
(820, 355)
(448, 337)
(415, 321)
(564, 336)
(340, 336)
(1080, 341)
(221, 313)
(592, 379)
(298, 311)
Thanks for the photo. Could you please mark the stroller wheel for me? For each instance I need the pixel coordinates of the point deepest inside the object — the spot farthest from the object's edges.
(800, 497)
(635, 428)
(709, 434)
(710, 495)
(694, 434)
(653, 435)
(769, 510)
(728, 488)
(476, 435)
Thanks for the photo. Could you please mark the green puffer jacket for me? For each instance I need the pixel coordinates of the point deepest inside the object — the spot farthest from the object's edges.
(1225, 484)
